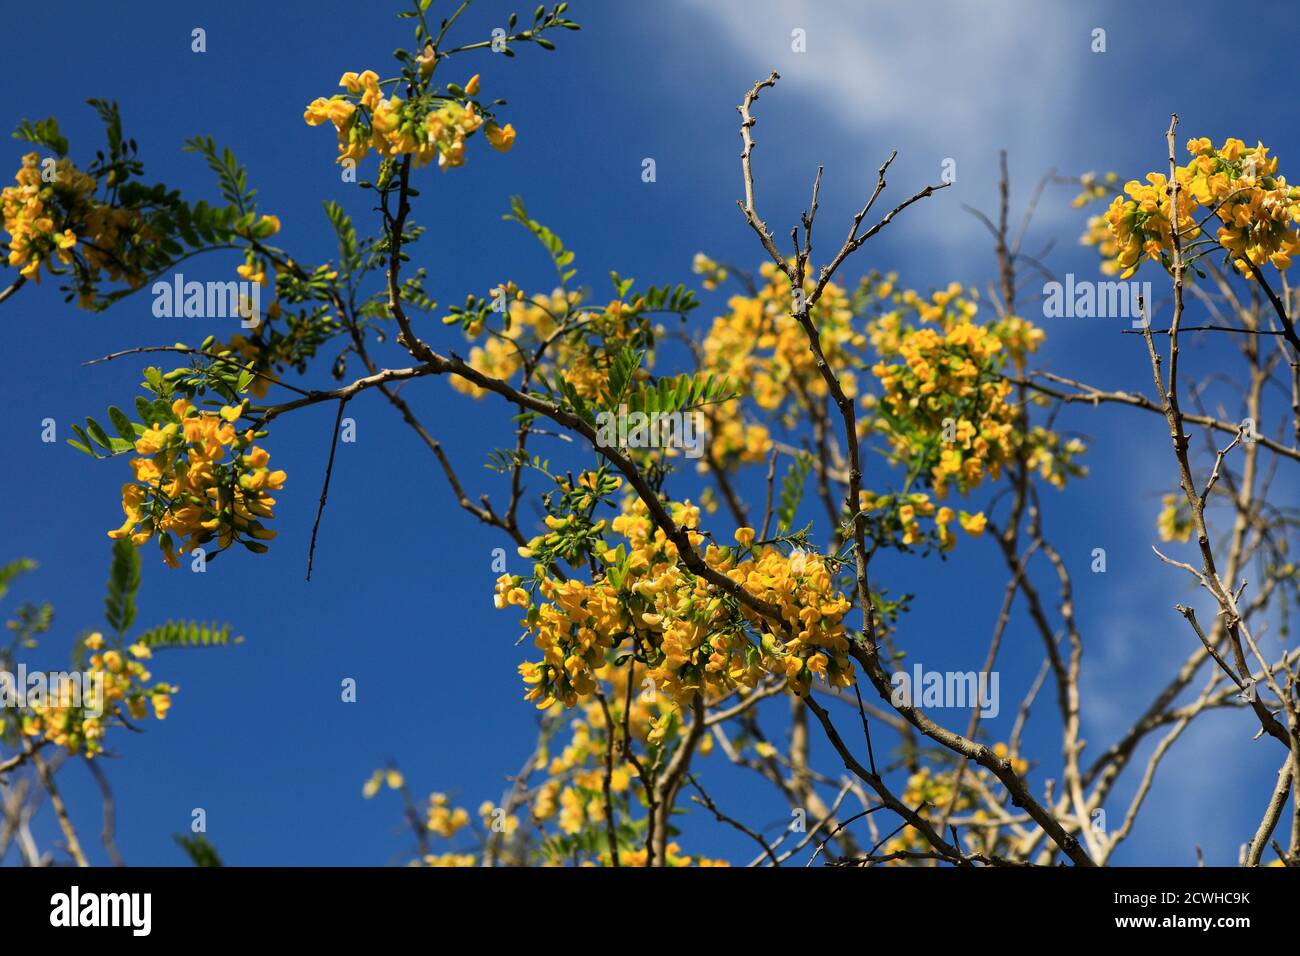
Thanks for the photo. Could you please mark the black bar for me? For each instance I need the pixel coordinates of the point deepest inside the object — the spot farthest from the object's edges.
(974, 905)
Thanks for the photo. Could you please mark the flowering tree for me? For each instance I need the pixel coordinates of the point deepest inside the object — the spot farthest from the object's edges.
(671, 617)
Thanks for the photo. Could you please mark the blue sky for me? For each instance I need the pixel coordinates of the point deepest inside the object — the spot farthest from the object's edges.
(401, 596)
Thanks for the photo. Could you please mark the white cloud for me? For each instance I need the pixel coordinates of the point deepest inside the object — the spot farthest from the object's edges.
(936, 79)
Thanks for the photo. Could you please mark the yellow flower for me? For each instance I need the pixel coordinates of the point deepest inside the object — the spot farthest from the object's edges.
(427, 60)
(444, 820)
(501, 137)
(1174, 523)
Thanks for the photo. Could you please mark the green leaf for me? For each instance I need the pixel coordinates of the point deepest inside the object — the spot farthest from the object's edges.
(560, 256)
(232, 178)
(84, 444)
(44, 133)
(123, 424)
(197, 847)
(792, 488)
(97, 432)
(346, 233)
(174, 634)
(11, 570)
(123, 583)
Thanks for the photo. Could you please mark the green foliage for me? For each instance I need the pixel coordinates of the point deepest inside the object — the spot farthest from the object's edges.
(341, 223)
(198, 848)
(792, 489)
(121, 151)
(123, 583)
(96, 442)
(561, 257)
(12, 570)
(29, 621)
(669, 298)
(179, 634)
(543, 20)
(232, 176)
(164, 228)
(43, 133)
(679, 393)
(224, 374)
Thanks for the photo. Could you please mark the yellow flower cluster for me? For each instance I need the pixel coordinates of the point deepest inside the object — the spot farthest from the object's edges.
(572, 795)
(496, 820)
(460, 860)
(567, 806)
(114, 684)
(47, 221)
(1052, 457)
(1236, 184)
(1141, 224)
(907, 509)
(932, 791)
(673, 857)
(365, 120)
(574, 628)
(1174, 523)
(760, 345)
(939, 378)
(185, 488)
(1093, 188)
(695, 637)
(577, 342)
(444, 819)
(1255, 206)
(713, 273)
(30, 224)
(1019, 337)
(760, 348)
(800, 584)
(528, 319)
(393, 778)
(733, 439)
(1097, 232)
